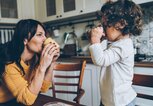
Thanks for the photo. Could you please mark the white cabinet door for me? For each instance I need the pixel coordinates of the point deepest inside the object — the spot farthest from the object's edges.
(56, 9)
(142, 1)
(9, 11)
(12, 12)
(91, 5)
(147, 90)
(39, 9)
(70, 8)
(27, 9)
(136, 1)
(46, 10)
(91, 86)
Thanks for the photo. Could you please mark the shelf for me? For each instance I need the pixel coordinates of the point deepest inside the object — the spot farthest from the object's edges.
(73, 20)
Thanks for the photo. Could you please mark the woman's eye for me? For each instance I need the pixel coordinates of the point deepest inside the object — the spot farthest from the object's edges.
(39, 34)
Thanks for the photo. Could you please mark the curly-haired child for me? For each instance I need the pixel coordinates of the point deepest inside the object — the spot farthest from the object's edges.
(120, 19)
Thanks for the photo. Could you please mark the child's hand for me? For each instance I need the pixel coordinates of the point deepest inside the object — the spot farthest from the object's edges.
(96, 34)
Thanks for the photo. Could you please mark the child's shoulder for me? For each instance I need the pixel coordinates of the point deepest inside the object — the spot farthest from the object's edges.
(125, 46)
(123, 42)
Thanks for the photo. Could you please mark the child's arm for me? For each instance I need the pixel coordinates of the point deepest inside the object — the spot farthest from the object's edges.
(103, 57)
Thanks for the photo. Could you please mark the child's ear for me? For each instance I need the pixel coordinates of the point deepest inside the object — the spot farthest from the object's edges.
(121, 24)
(25, 41)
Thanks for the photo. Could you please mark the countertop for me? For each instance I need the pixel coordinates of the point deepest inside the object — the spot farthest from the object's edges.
(89, 60)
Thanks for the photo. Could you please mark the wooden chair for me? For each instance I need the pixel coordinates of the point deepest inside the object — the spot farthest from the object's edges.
(67, 68)
(143, 84)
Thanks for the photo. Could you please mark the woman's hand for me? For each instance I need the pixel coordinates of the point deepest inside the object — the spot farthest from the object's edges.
(57, 54)
(49, 51)
(56, 57)
(49, 72)
(96, 34)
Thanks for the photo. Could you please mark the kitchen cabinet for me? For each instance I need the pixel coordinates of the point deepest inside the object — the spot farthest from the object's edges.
(91, 82)
(11, 11)
(142, 1)
(136, 1)
(91, 86)
(91, 5)
(58, 9)
(146, 90)
(27, 9)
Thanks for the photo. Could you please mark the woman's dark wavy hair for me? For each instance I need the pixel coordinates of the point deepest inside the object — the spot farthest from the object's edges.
(124, 15)
(11, 51)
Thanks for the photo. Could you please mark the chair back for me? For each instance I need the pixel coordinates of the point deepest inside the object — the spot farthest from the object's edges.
(69, 75)
(143, 84)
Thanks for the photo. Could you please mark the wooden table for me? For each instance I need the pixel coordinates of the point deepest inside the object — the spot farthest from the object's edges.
(43, 99)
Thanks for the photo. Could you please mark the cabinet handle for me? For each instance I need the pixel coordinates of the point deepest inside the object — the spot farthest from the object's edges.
(57, 16)
(81, 11)
(60, 15)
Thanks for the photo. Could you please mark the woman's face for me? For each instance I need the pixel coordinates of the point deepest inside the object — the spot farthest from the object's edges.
(113, 34)
(36, 42)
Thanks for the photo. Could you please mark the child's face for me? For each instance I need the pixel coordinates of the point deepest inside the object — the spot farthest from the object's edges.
(113, 34)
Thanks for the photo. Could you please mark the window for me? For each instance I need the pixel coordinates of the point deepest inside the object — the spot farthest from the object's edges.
(69, 5)
(50, 7)
(9, 8)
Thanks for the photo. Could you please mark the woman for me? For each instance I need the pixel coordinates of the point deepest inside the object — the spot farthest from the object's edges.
(26, 66)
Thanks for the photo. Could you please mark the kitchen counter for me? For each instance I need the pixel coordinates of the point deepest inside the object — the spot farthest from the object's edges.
(89, 60)
(144, 64)
(75, 58)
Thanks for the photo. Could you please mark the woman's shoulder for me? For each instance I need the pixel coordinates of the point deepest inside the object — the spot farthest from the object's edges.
(12, 68)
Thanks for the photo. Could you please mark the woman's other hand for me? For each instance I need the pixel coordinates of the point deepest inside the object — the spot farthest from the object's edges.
(47, 55)
(57, 54)
(49, 72)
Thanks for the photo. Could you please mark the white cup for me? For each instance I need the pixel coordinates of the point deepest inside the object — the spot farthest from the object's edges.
(56, 32)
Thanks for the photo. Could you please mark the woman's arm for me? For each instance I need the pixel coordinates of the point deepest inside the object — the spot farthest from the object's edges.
(26, 92)
(49, 72)
(46, 59)
(48, 78)
(18, 85)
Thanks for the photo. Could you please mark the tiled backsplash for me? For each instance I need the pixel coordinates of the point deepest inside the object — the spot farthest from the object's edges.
(145, 41)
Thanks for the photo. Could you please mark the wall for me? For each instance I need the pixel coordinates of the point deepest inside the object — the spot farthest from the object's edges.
(79, 30)
(144, 41)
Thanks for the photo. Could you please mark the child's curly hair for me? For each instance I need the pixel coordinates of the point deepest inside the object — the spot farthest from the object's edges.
(124, 15)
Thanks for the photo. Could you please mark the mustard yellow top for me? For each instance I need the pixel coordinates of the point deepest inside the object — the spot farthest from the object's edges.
(15, 85)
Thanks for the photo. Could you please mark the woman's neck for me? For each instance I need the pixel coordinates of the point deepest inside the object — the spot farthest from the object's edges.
(26, 56)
